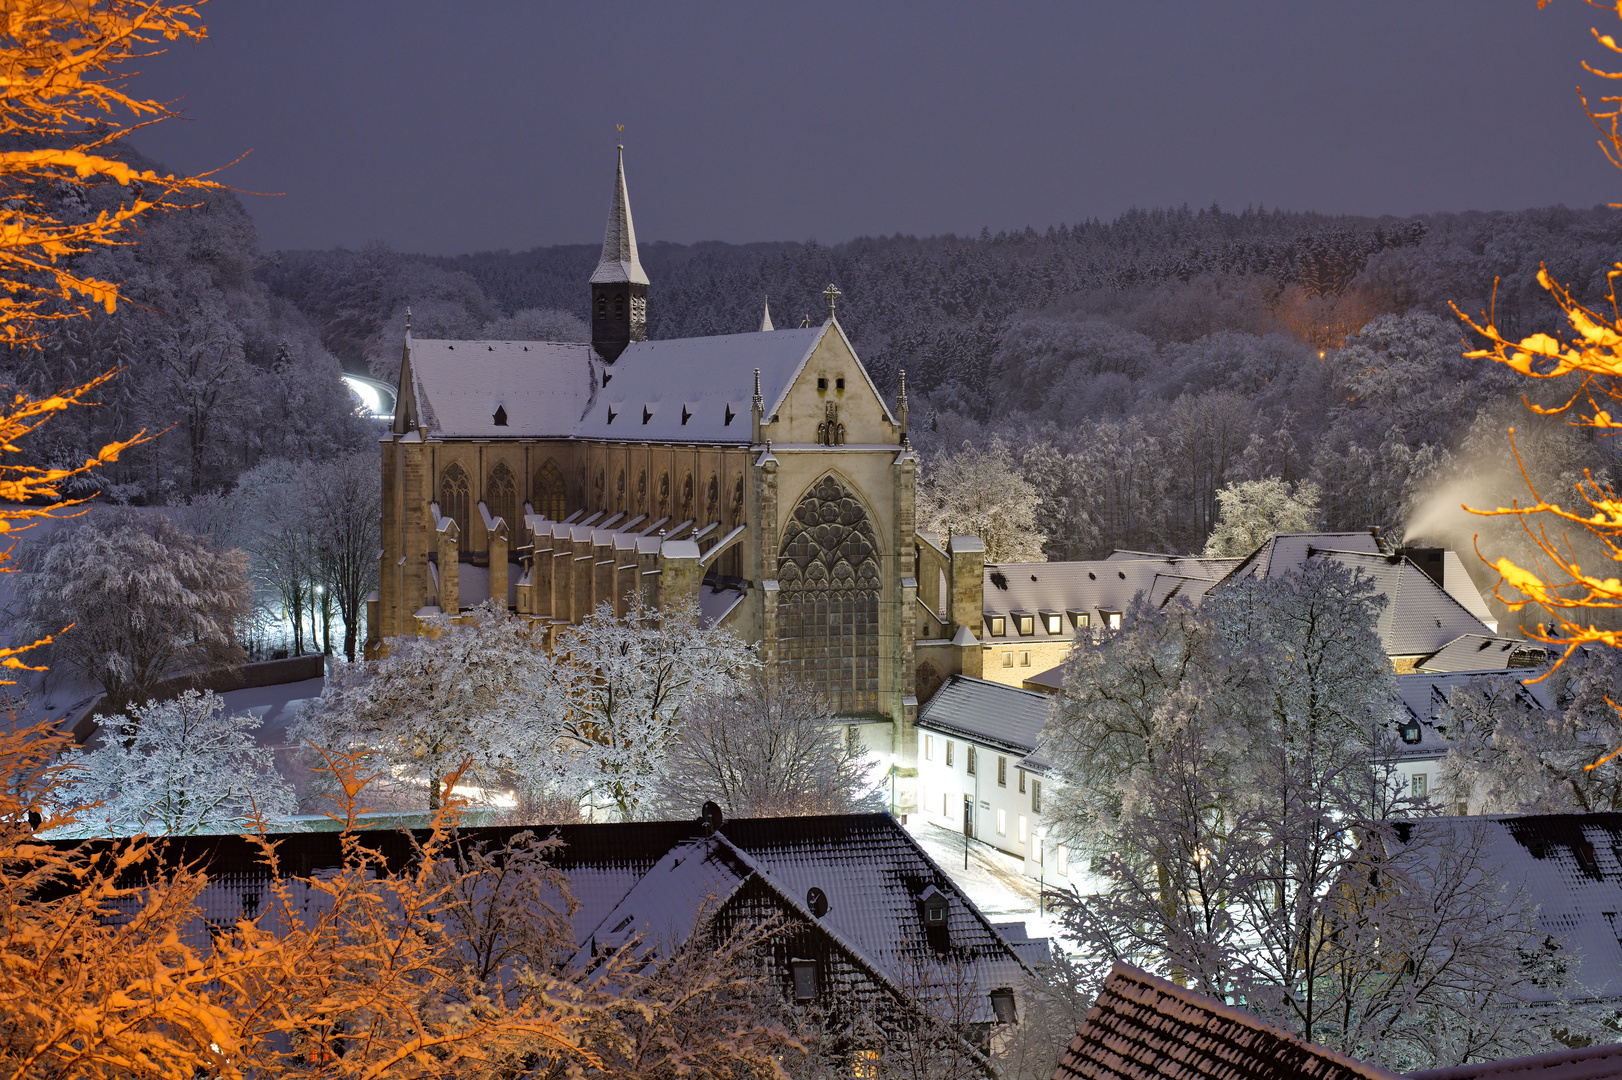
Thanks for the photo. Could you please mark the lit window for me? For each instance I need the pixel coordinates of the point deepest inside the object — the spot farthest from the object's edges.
(1421, 785)
(1021, 780)
(948, 753)
(1025, 659)
(1112, 619)
(929, 748)
(1055, 623)
(1007, 659)
(1064, 860)
(853, 737)
(999, 626)
(1002, 822)
(1082, 618)
(1026, 625)
(970, 762)
(1036, 796)
(1022, 821)
(1002, 772)
(864, 1065)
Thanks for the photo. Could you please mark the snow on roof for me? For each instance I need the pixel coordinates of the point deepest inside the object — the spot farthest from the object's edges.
(662, 909)
(1091, 586)
(619, 261)
(1145, 1027)
(1570, 866)
(1424, 694)
(1481, 652)
(1459, 585)
(683, 390)
(1589, 1063)
(988, 712)
(1283, 552)
(715, 602)
(542, 386)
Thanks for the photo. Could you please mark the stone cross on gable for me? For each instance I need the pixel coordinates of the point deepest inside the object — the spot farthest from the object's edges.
(832, 294)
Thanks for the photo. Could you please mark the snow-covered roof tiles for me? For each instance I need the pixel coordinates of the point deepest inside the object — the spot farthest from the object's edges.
(1481, 652)
(1145, 1027)
(1424, 693)
(1588, 1063)
(1093, 587)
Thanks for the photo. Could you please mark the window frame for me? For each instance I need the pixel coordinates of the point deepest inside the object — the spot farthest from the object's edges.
(969, 758)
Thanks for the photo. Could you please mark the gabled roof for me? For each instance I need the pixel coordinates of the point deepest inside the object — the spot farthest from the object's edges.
(543, 386)
(987, 712)
(1481, 652)
(619, 261)
(1283, 552)
(1423, 694)
(1092, 586)
(1145, 1027)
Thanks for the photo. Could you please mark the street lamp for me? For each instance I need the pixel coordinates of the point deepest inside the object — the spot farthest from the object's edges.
(1041, 835)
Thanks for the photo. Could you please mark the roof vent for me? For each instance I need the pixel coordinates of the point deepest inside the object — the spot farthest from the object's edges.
(500, 418)
(1033, 577)
(1091, 576)
(935, 907)
(647, 414)
(686, 415)
(526, 348)
(611, 414)
(606, 376)
(1121, 574)
(452, 348)
(712, 818)
(817, 901)
(489, 348)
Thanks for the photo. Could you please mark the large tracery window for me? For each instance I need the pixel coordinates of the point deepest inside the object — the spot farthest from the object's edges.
(550, 500)
(453, 489)
(501, 496)
(829, 621)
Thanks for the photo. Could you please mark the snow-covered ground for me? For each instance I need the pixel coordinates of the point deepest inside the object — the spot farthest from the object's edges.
(994, 880)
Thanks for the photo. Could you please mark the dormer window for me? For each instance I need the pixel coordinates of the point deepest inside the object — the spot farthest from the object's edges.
(1410, 732)
(1111, 619)
(935, 906)
(1079, 618)
(1027, 625)
(999, 626)
(1053, 622)
(500, 418)
(1002, 1006)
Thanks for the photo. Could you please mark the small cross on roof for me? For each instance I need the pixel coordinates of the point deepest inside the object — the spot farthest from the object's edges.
(832, 294)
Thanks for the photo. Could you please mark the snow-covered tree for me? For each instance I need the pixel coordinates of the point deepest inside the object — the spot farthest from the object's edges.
(1242, 761)
(1512, 757)
(275, 527)
(178, 767)
(981, 493)
(1253, 510)
(439, 701)
(145, 600)
(764, 750)
(537, 324)
(346, 509)
(614, 703)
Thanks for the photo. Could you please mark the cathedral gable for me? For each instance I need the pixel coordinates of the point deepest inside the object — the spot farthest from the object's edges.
(831, 401)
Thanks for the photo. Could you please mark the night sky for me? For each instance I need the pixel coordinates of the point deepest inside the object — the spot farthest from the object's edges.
(452, 127)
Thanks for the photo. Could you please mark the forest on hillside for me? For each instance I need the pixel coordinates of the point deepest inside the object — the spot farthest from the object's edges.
(1129, 369)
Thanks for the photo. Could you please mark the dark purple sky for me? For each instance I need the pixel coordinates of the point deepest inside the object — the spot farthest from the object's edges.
(450, 127)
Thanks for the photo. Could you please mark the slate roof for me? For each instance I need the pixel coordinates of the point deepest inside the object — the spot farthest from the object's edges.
(1093, 587)
(1143, 1026)
(987, 712)
(1589, 1063)
(1420, 617)
(542, 385)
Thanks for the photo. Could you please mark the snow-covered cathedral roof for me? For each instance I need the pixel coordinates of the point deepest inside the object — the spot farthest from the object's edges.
(619, 261)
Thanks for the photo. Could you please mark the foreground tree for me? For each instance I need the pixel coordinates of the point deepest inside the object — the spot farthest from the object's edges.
(980, 493)
(613, 705)
(1253, 510)
(178, 767)
(63, 111)
(449, 697)
(764, 750)
(146, 600)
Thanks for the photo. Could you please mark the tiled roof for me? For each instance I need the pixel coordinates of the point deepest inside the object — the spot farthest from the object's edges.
(1480, 652)
(1589, 1063)
(1423, 694)
(1092, 586)
(987, 711)
(1145, 1027)
(542, 386)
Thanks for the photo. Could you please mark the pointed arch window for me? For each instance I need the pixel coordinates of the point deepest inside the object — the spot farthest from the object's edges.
(550, 499)
(828, 622)
(453, 497)
(501, 496)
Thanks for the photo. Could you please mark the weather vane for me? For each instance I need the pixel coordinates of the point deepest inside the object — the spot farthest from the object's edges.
(832, 294)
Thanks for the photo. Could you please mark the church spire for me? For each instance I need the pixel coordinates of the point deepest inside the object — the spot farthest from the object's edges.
(619, 286)
(766, 316)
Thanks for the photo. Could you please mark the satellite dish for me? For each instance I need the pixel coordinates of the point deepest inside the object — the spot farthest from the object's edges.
(817, 901)
(712, 817)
